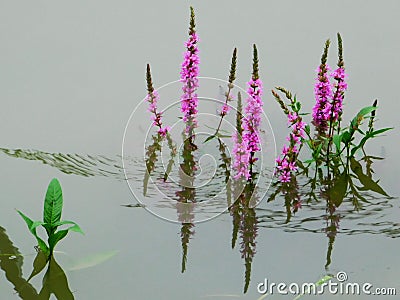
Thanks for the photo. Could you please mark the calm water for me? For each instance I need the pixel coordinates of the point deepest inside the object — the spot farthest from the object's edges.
(72, 74)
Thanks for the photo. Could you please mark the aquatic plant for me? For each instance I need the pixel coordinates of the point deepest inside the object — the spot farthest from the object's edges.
(53, 204)
(323, 92)
(228, 97)
(241, 153)
(286, 163)
(252, 120)
(189, 77)
(152, 98)
(331, 141)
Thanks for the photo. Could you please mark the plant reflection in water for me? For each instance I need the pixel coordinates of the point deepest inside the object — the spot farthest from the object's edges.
(54, 280)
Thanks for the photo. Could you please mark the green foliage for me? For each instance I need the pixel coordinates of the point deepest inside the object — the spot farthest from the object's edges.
(52, 211)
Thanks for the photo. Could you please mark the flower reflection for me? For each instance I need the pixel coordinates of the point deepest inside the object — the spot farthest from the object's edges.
(349, 183)
(244, 222)
(186, 196)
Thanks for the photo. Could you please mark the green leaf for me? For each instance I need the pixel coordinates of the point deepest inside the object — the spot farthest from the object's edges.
(32, 228)
(55, 238)
(309, 161)
(379, 131)
(317, 152)
(346, 137)
(209, 138)
(224, 136)
(366, 110)
(53, 204)
(59, 235)
(75, 228)
(310, 144)
(297, 106)
(337, 139)
(307, 129)
(324, 279)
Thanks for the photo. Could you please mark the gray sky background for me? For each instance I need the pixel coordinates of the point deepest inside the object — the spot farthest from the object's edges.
(72, 71)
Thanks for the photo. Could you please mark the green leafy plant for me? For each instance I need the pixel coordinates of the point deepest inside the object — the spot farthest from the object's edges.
(53, 204)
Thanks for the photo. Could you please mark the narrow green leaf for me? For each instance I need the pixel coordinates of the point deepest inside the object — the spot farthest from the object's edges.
(379, 131)
(32, 228)
(297, 106)
(209, 138)
(309, 161)
(307, 129)
(222, 136)
(53, 204)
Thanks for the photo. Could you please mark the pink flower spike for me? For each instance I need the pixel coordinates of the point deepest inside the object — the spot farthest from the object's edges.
(189, 77)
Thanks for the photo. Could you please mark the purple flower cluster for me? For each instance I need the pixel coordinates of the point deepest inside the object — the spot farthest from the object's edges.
(189, 77)
(329, 104)
(241, 157)
(252, 120)
(340, 87)
(287, 164)
(224, 110)
(152, 98)
(323, 92)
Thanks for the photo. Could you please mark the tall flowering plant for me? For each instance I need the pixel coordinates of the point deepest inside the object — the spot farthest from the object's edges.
(286, 163)
(152, 98)
(323, 94)
(331, 141)
(246, 139)
(189, 78)
(253, 110)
